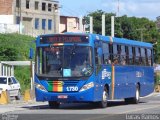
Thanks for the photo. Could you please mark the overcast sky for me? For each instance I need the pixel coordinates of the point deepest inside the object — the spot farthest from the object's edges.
(139, 8)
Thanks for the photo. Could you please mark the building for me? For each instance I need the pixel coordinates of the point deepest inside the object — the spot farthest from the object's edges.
(34, 17)
(70, 24)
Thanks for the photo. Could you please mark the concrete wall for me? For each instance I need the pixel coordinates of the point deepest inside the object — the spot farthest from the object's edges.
(7, 19)
(72, 25)
(69, 24)
(9, 28)
(28, 15)
(63, 24)
(7, 24)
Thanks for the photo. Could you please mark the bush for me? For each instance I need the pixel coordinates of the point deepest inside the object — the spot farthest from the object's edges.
(15, 47)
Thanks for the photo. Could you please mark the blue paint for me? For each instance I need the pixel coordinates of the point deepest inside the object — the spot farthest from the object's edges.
(126, 77)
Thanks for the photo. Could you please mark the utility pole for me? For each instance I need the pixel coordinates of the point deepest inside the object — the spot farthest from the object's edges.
(56, 18)
(91, 24)
(112, 26)
(20, 17)
(103, 24)
(81, 24)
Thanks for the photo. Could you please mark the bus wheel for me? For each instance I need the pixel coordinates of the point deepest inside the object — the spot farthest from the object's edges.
(137, 96)
(134, 100)
(103, 103)
(53, 104)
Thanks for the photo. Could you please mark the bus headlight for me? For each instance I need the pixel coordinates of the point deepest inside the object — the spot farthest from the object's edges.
(39, 86)
(87, 86)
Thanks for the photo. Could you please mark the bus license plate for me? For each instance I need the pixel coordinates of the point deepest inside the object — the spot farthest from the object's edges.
(62, 96)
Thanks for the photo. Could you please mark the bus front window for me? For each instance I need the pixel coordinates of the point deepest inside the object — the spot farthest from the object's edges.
(65, 61)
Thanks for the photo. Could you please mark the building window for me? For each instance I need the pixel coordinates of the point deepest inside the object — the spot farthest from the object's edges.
(43, 24)
(49, 7)
(43, 6)
(55, 7)
(27, 4)
(36, 5)
(17, 3)
(36, 23)
(17, 20)
(49, 24)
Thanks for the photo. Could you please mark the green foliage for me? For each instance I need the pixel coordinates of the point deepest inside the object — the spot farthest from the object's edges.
(15, 47)
(23, 76)
(141, 29)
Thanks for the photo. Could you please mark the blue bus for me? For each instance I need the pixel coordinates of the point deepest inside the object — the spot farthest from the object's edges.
(82, 67)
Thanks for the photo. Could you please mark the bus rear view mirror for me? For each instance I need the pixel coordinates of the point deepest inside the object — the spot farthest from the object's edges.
(31, 53)
(98, 44)
(99, 51)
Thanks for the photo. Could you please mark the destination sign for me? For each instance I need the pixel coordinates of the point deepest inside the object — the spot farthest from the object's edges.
(64, 39)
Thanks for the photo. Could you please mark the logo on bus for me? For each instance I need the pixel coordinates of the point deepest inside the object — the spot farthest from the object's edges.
(139, 74)
(106, 74)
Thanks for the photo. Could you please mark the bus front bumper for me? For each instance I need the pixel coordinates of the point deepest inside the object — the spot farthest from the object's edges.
(84, 96)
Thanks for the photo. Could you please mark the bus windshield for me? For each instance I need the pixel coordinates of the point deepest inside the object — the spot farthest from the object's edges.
(64, 61)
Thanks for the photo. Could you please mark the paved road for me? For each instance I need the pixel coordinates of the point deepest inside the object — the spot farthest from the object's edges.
(148, 108)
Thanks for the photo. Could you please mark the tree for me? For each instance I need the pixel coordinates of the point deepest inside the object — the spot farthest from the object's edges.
(140, 29)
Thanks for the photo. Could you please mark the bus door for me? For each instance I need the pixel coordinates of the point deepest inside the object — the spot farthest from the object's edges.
(98, 72)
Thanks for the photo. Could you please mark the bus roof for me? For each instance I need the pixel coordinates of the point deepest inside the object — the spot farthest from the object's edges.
(109, 39)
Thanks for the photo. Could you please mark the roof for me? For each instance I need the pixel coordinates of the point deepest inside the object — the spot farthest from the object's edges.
(18, 63)
(5, 76)
(68, 16)
(115, 39)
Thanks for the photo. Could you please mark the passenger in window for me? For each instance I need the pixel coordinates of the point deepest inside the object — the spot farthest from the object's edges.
(115, 61)
(149, 62)
(123, 62)
(107, 61)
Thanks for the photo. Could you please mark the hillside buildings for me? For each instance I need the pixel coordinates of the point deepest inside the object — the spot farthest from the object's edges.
(33, 17)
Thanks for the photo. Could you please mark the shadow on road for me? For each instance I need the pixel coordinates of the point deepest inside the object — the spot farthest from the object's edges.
(78, 106)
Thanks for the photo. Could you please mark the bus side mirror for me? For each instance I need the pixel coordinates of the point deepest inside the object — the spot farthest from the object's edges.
(100, 53)
(31, 53)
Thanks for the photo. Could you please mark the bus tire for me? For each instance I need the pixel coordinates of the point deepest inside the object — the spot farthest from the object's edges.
(103, 103)
(53, 104)
(135, 99)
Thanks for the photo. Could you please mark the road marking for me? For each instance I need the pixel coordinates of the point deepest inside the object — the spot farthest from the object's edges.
(139, 109)
(152, 94)
(158, 95)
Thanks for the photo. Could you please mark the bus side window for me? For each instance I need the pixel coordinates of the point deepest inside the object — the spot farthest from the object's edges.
(149, 55)
(130, 55)
(115, 54)
(111, 52)
(143, 56)
(134, 55)
(146, 57)
(106, 54)
(137, 56)
(127, 54)
(98, 57)
(123, 55)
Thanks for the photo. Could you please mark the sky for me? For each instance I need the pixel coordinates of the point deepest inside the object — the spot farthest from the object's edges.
(138, 8)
